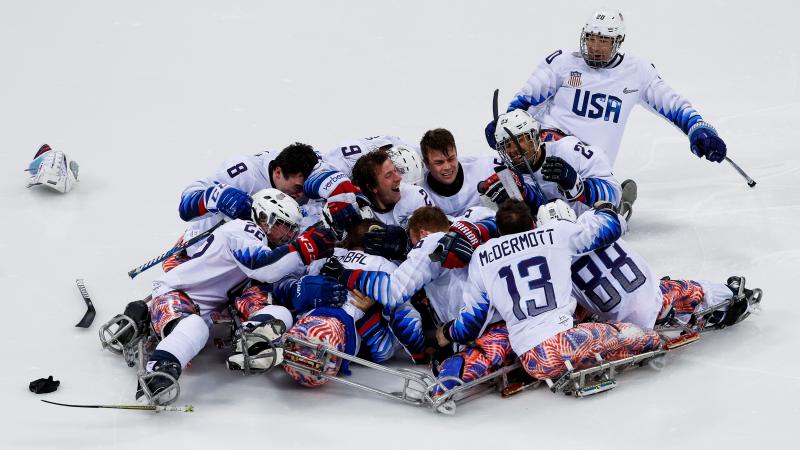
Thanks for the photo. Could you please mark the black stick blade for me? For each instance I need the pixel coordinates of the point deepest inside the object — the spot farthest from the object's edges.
(88, 317)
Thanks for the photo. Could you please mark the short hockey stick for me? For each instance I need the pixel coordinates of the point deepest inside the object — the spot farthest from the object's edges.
(90, 312)
(156, 408)
(750, 182)
(133, 272)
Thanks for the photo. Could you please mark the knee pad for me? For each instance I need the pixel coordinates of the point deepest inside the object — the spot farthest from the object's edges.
(168, 308)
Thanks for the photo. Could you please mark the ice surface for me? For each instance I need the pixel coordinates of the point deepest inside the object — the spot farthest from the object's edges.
(149, 95)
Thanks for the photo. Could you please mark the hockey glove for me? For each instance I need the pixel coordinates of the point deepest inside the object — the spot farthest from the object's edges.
(494, 190)
(315, 243)
(315, 291)
(456, 247)
(559, 171)
(704, 141)
(228, 200)
(389, 241)
(343, 208)
(489, 131)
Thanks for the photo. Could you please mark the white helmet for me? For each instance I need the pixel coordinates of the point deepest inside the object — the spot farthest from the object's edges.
(557, 209)
(53, 169)
(271, 206)
(519, 123)
(408, 163)
(606, 23)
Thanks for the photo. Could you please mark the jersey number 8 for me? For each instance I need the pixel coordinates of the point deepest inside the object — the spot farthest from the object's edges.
(597, 279)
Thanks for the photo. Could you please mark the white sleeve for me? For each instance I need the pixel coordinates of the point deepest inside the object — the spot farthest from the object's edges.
(416, 271)
(664, 101)
(261, 263)
(593, 230)
(540, 86)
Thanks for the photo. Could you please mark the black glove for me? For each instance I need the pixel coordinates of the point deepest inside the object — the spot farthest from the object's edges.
(559, 171)
(333, 268)
(389, 241)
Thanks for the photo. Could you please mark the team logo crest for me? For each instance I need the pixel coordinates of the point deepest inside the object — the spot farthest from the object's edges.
(574, 79)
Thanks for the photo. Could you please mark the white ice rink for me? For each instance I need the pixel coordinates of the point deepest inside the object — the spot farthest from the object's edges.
(150, 95)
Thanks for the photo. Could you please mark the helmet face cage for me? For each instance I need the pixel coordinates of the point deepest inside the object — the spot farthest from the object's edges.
(595, 61)
(525, 165)
(273, 220)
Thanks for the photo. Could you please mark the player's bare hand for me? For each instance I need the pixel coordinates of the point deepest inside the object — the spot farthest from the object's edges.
(360, 300)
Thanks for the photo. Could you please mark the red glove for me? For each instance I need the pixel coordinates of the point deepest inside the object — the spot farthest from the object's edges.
(315, 243)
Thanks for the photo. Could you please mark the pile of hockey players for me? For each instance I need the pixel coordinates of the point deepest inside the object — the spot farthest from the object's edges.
(470, 267)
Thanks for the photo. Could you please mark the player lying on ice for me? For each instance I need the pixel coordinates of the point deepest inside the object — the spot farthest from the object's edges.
(263, 249)
(374, 333)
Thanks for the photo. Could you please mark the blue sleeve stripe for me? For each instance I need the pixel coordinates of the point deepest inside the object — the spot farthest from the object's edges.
(526, 101)
(596, 189)
(190, 205)
(314, 181)
(609, 231)
(468, 325)
(683, 118)
(257, 257)
(408, 330)
(491, 226)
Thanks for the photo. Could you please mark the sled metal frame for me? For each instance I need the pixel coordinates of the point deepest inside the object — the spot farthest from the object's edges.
(416, 387)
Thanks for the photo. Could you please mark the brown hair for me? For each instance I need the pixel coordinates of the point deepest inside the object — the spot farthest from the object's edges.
(438, 139)
(514, 216)
(355, 234)
(365, 171)
(428, 218)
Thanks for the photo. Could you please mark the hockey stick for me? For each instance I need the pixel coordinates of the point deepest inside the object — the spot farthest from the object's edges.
(90, 312)
(750, 182)
(133, 272)
(494, 105)
(156, 408)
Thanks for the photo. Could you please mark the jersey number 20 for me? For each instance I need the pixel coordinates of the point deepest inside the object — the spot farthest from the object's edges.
(543, 282)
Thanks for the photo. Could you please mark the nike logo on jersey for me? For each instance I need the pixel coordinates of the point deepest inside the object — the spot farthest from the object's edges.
(629, 91)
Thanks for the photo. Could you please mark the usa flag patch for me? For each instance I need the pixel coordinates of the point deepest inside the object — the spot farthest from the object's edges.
(574, 79)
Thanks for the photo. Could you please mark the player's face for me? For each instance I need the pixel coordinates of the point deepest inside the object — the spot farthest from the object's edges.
(599, 47)
(280, 233)
(388, 190)
(529, 150)
(443, 166)
(291, 185)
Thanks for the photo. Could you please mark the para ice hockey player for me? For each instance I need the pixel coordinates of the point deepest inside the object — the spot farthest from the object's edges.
(184, 298)
(406, 157)
(393, 201)
(591, 92)
(378, 331)
(568, 168)
(53, 169)
(616, 283)
(524, 276)
(451, 179)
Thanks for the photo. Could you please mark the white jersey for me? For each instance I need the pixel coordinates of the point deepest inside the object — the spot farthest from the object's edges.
(355, 260)
(526, 278)
(594, 104)
(411, 198)
(472, 170)
(234, 252)
(589, 163)
(248, 173)
(616, 283)
(344, 156)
